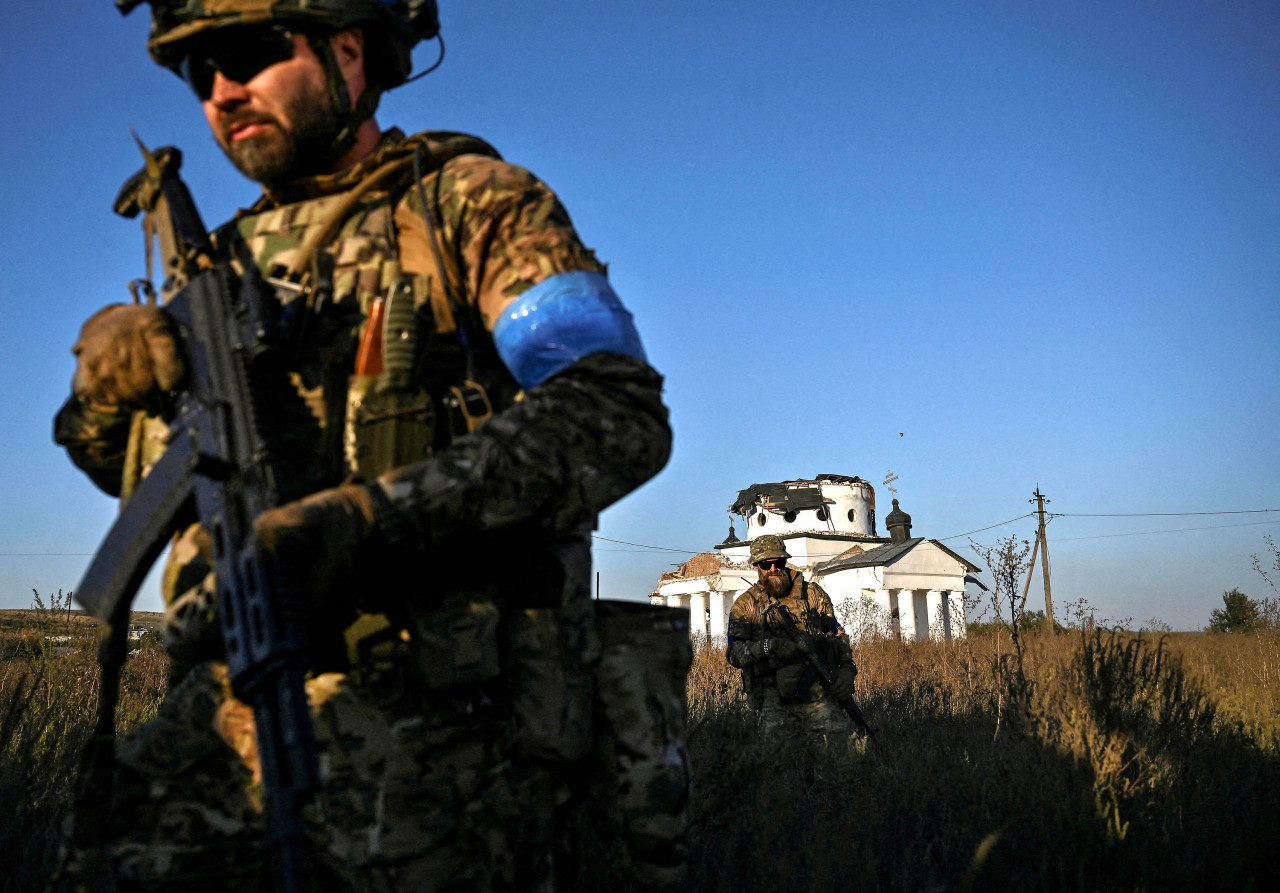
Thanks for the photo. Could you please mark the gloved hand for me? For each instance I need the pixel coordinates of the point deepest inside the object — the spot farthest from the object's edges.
(316, 542)
(780, 648)
(126, 356)
(842, 681)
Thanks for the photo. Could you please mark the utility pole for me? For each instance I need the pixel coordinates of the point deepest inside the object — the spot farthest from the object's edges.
(1039, 499)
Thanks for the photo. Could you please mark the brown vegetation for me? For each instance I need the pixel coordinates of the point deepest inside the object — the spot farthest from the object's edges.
(1108, 762)
(48, 695)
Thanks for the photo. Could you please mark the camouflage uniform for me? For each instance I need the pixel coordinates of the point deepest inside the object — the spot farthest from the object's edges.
(787, 693)
(456, 718)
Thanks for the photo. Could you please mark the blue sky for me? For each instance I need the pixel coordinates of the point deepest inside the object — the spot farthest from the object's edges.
(987, 245)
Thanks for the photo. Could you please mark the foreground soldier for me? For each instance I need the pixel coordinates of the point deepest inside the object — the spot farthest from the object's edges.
(452, 692)
(779, 680)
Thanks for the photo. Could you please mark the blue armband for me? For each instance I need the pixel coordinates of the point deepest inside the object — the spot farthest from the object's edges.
(558, 322)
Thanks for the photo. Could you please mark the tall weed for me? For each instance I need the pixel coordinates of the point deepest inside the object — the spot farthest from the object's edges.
(48, 700)
(1099, 762)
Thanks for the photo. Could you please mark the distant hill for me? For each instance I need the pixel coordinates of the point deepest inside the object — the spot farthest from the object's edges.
(19, 617)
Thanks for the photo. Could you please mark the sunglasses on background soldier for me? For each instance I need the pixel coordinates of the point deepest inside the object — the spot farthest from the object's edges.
(238, 54)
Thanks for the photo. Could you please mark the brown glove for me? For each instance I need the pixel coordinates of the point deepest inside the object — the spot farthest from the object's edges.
(126, 356)
(317, 541)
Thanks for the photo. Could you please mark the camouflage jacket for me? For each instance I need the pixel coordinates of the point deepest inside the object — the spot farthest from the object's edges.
(751, 621)
(547, 461)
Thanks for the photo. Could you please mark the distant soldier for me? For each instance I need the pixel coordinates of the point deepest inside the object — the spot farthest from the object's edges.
(779, 680)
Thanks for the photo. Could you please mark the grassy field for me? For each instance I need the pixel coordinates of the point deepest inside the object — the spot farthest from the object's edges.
(1096, 762)
(1091, 762)
(48, 695)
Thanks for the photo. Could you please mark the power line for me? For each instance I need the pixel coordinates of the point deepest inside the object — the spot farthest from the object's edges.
(980, 529)
(1104, 536)
(47, 554)
(1157, 514)
(596, 536)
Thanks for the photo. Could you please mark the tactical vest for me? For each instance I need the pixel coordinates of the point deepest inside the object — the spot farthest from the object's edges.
(392, 364)
(391, 360)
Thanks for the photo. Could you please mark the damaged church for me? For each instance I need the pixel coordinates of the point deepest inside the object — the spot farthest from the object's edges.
(895, 585)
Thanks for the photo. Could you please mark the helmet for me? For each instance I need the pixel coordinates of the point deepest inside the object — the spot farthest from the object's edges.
(393, 26)
(768, 546)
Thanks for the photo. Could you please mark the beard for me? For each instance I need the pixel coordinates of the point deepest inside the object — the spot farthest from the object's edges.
(777, 583)
(278, 154)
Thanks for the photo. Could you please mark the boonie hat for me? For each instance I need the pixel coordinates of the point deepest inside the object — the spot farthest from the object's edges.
(766, 547)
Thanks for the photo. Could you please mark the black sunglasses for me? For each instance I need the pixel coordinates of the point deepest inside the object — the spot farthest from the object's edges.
(771, 563)
(238, 53)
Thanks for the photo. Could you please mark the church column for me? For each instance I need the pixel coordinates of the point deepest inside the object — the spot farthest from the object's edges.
(698, 614)
(884, 620)
(907, 615)
(933, 600)
(959, 625)
(719, 613)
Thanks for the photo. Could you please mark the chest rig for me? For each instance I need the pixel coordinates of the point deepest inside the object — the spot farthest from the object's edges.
(389, 354)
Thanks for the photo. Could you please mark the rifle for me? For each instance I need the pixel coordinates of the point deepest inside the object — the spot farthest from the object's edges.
(804, 641)
(219, 467)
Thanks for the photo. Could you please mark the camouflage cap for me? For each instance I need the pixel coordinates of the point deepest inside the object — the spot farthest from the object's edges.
(766, 547)
(394, 25)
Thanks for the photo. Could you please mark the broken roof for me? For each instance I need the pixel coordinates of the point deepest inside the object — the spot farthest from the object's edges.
(787, 496)
(791, 496)
(702, 565)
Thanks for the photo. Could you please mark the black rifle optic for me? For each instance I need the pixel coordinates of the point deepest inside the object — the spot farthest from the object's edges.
(804, 641)
(220, 467)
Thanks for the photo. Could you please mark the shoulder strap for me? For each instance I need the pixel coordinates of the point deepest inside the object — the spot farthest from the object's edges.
(324, 229)
(450, 275)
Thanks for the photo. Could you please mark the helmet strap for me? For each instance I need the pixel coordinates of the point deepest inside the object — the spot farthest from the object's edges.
(351, 116)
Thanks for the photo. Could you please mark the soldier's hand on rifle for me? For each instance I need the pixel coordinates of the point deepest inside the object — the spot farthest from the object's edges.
(842, 680)
(317, 541)
(126, 357)
(779, 648)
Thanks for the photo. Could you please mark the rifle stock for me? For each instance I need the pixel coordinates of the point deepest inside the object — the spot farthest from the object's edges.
(220, 468)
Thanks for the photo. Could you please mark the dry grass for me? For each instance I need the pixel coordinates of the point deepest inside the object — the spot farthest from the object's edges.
(48, 696)
(1097, 762)
(1107, 762)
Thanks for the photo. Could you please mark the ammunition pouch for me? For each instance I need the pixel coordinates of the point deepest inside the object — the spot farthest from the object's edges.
(387, 427)
(796, 682)
(456, 643)
(390, 419)
(642, 787)
(551, 688)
